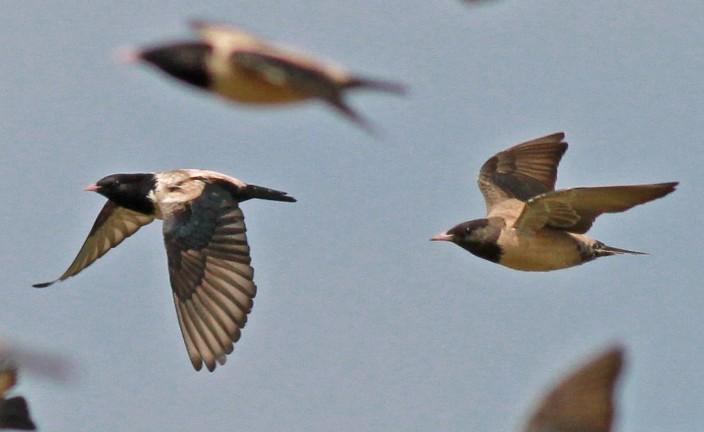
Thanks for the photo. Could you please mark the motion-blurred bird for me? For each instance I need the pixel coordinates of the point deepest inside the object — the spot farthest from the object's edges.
(240, 67)
(14, 413)
(206, 247)
(529, 225)
(583, 401)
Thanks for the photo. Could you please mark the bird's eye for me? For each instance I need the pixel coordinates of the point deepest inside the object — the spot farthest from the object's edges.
(468, 230)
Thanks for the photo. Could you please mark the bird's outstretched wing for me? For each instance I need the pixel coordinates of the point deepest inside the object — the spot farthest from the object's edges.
(210, 272)
(287, 70)
(308, 79)
(583, 401)
(575, 209)
(271, 64)
(522, 171)
(112, 226)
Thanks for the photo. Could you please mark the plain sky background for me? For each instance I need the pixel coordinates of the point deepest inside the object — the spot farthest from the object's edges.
(360, 323)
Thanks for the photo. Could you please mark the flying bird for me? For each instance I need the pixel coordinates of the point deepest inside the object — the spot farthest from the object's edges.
(241, 67)
(37, 362)
(206, 246)
(14, 413)
(582, 401)
(531, 226)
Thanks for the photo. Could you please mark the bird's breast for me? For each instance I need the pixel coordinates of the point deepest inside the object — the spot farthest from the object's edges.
(543, 250)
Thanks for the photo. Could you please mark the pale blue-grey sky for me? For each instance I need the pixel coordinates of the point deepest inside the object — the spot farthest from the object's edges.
(360, 323)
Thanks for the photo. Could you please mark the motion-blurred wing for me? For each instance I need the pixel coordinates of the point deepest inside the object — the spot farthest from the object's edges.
(522, 171)
(113, 225)
(284, 71)
(582, 402)
(575, 210)
(210, 272)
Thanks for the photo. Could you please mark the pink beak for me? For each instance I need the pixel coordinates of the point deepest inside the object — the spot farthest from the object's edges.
(127, 55)
(91, 188)
(443, 236)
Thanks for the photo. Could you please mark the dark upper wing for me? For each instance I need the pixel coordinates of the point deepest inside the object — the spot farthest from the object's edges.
(575, 210)
(210, 273)
(522, 171)
(112, 226)
(582, 402)
(281, 70)
(302, 77)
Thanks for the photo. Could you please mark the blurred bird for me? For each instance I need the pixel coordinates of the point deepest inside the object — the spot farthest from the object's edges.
(38, 362)
(582, 401)
(532, 227)
(240, 67)
(206, 247)
(14, 413)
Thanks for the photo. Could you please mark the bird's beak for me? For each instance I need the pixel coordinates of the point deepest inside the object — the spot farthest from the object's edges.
(91, 188)
(443, 236)
(127, 55)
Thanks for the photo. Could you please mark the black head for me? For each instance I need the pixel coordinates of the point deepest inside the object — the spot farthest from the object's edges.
(478, 236)
(14, 414)
(128, 190)
(185, 61)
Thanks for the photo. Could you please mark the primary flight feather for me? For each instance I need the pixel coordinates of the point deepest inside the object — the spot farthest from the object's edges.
(206, 246)
(531, 226)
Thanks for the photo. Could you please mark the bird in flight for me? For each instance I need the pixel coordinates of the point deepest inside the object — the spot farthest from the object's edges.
(531, 226)
(206, 246)
(14, 413)
(241, 67)
(582, 401)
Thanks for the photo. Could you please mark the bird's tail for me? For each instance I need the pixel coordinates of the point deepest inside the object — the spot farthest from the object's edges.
(343, 108)
(254, 191)
(375, 84)
(600, 250)
(14, 414)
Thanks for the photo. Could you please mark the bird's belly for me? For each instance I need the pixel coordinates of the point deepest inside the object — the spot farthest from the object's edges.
(542, 251)
(248, 88)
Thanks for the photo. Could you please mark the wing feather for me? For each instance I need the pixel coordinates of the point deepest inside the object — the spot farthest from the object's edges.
(112, 226)
(282, 70)
(583, 401)
(522, 171)
(575, 209)
(210, 271)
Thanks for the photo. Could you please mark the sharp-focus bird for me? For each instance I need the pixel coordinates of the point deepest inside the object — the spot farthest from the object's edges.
(14, 413)
(206, 246)
(529, 225)
(582, 401)
(240, 67)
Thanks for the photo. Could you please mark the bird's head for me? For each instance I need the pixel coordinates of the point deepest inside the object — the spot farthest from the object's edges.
(478, 236)
(132, 191)
(186, 61)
